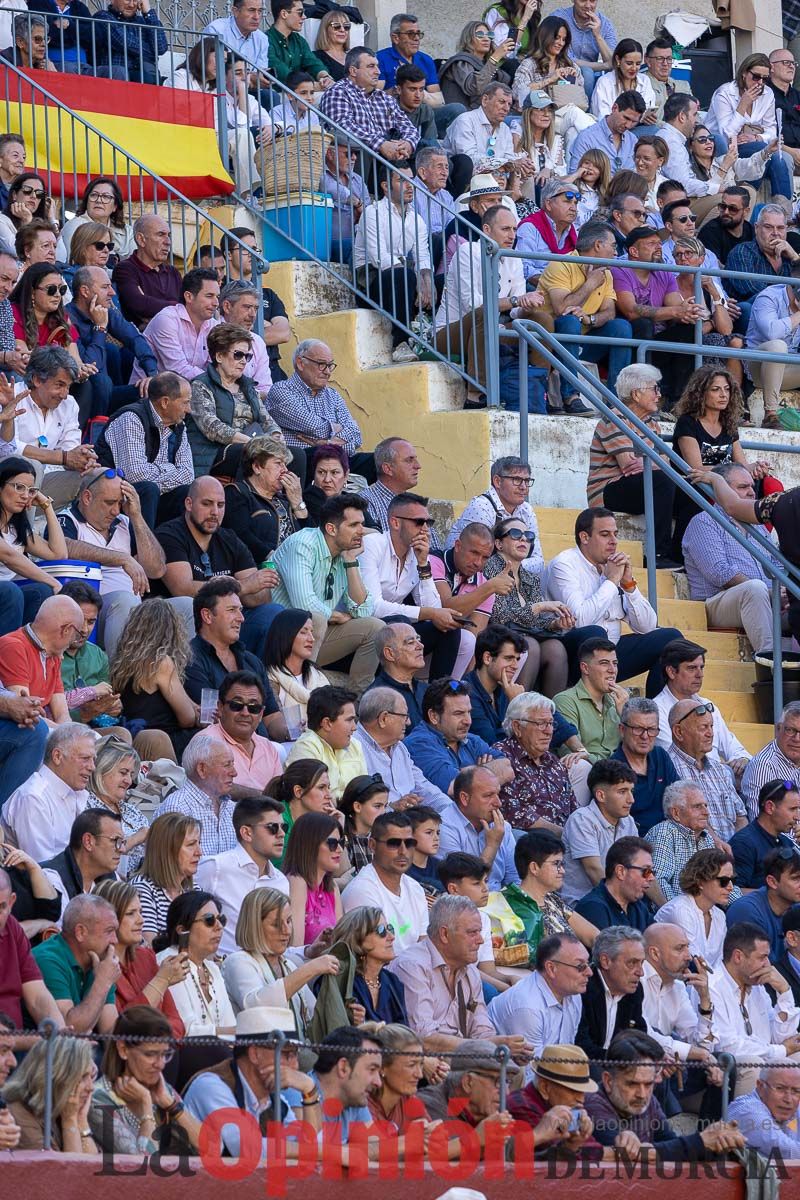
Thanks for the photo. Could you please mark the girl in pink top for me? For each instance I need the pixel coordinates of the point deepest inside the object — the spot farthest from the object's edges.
(313, 857)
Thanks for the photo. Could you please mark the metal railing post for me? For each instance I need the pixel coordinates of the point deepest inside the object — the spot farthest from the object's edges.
(522, 360)
(222, 108)
(503, 1054)
(491, 323)
(279, 1043)
(728, 1063)
(777, 652)
(48, 1030)
(650, 536)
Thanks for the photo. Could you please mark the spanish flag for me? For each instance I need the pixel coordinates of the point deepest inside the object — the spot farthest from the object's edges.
(170, 131)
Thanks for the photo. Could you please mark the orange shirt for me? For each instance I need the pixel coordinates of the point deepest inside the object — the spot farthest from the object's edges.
(22, 664)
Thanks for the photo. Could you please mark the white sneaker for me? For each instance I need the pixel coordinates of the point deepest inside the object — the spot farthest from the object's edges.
(403, 353)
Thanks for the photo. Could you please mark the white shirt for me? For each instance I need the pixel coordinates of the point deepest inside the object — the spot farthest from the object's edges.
(408, 912)
(284, 117)
(39, 814)
(112, 579)
(59, 425)
(588, 834)
(607, 88)
(487, 509)
(199, 1015)
(386, 237)
(594, 600)
(683, 911)
(668, 1011)
(463, 289)
(256, 117)
(250, 984)
(680, 166)
(389, 579)
(724, 118)
(765, 1043)
(530, 1008)
(471, 134)
(726, 746)
(612, 1004)
(230, 877)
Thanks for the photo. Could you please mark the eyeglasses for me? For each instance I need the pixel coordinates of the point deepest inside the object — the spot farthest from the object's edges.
(54, 289)
(211, 919)
(323, 366)
(784, 62)
(118, 843)
(748, 1026)
(726, 880)
(790, 731)
(395, 843)
(416, 34)
(699, 710)
(646, 872)
(583, 967)
(252, 706)
(205, 563)
(703, 139)
(273, 828)
(333, 844)
(519, 535)
(166, 1055)
(779, 786)
(641, 730)
(761, 78)
(689, 219)
(383, 930)
(518, 480)
(242, 355)
(31, 191)
(420, 522)
(549, 724)
(103, 197)
(103, 246)
(22, 489)
(659, 58)
(723, 207)
(328, 595)
(635, 212)
(785, 1090)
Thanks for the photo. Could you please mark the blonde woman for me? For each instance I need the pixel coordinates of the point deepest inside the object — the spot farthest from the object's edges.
(73, 1078)
(91, 245)
(116, 769)
(259, 973)
(543, 146)
(169, 867)
(148, 672)
(549, 68)
(333, 42)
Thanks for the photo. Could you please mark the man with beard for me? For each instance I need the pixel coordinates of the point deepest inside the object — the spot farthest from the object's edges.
(730, 226)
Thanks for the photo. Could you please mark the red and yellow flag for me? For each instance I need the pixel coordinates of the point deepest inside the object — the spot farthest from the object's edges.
(170, 131)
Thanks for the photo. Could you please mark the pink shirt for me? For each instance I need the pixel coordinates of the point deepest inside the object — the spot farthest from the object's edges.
(255, 772)
(320, 913)
(463, 586)
(176, 343)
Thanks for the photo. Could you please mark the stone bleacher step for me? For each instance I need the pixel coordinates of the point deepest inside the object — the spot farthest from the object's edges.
(752, 736)
(683, 614)
(738, 707)
(553, 543)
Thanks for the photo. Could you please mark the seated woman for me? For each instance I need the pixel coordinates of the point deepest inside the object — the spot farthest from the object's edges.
(743, 113)
(706, 884)
(287, 657)
(73, 1076)
(225, 405)
(543, 146)
(266, 505)
(718, 325)
(142, 980)
(36, 243)
(259, 973)
(625, 76)
(726, 169)
(333, 42)
(548, 67)
(18, 542)
(330, 468)
(364, 799)
(616, 469)
(200, 997)
(116, 770)
(312, 859)
(650, 157)
(305, 786)
(706, 434)
(593, 176)
(539, 859)
(147, 674)
(401, 1073)
(541, 622)
(475, 64)
(134, 1110)
(168, 869)
(92, 245)
(540, 794)
(101, 202)
(370, 938)
(27, 198)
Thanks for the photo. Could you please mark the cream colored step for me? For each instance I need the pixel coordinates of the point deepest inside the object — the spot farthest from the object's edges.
(553, 543)
(725, 676)
(557, 520)
(737, 707)
(721, 645)
(753, 737)
(683, 614)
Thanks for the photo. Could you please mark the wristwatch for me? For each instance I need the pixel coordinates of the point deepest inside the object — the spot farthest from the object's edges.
(591, 320)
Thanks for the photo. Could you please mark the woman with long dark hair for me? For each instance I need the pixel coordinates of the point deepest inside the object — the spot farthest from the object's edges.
(513, 19)
(304, 786)
(37, 304)
(288, 659)
(548, 67)
(200, 998)
(101, 202)
(312, 860)
(27, 198)
(19, 543)
(364, 799)
(624, 76)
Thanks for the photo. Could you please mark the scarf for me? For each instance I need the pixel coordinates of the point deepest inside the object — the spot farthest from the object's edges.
(542, 222)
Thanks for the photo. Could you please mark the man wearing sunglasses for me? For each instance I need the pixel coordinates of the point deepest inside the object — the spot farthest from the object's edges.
(620, 898)
(767, 905)
(692, 726)
(240, 711)
(730, 227)
(385, 883)
(92, 854)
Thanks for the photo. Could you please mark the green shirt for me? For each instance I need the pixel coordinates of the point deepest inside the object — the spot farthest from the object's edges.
(64, 979)
(599, 731)
(90, 664)
(288, 821)
(292, 54)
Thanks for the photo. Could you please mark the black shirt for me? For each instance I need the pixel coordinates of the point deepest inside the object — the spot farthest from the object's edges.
(206, 671)
(789, 104)
(28, 907)
(273, 306)
(227, 554)
(782, 509)
(713, 449)
(721, 241)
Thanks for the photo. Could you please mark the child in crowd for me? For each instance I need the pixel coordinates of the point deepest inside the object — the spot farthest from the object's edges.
(426, 824)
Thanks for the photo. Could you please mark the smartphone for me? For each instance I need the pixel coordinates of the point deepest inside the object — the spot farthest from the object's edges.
(512, 35)
(574, 1120)
(430, 890)
(183, 940)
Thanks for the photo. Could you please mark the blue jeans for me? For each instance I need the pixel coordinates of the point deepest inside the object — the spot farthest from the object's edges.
(444, 116)
(618, 357)
(590, 79)
(256, 626)
(777, 172)
(21, 754)
(19, 605)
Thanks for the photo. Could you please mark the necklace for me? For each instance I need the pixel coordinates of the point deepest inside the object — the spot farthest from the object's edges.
(206, 994)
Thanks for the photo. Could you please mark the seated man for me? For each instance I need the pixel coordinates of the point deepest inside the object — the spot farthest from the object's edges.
(582, 301)
(395, 567)
(470, 1092)
(319, 571)
(620, 898)
(560, 1084)
(473, 824)
(410, 92)
(433, 199)
(405, 36)
(590, 832)
(612, 1000)
(458, 575)
(249, 127)
(47, 426)
(385, 883)
(288, 49)
(129, 44)
(768, 254)
(31, 655)
(20, 979)
(684, 832)
(177, 335)
(233, 874)
(692, 726)
(597, 584)
(778, 804)
(733, 585)
(498, 651)
(146, 282)
(105, 524)
(23, 733)
(331, 718)
(241, 32)
(383, 717)
(539, 792)
(148, 443)
(730, 227)
(216, 650)
(625, 1102)
(546, 1003)
(626, 214)
(38, 816)
(767, 905)
(91, 855)
(510, 480)
(773, 328)
(350, 196)
(239, 713)
(442, 744)
(682, 1024)
(652, 766)
(80, 967)
(536, 899)
(683, 663)
(769, 1117)
(552, 228)
(401, 656)
(196, 548)
(357, 104)
(593, 705)
(612, 135)
(206, 793)
(397, 471)
(482, 133)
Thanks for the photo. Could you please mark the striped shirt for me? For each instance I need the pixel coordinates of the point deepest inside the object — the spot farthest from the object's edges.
(715, 780)
(607, 443)
(770, 763)
(305, 565)
(154, 901)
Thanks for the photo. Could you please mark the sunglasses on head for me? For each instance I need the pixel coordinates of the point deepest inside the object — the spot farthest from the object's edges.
(396, 843)
(778, 788)
(252, 706)
(211, 919)
(369, 781)
(699, 710)
(333, 843)
(519, 535)
(103, 246)
(242, 355)
(54, 289)
(328, 594)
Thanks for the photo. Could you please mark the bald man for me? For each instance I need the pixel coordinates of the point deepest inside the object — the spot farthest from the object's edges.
(30, 657)
(145, 281)
(197, 548)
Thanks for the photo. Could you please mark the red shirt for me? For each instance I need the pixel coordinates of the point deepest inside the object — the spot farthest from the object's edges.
(529, 1106)
(43, 331)
(132, 982)
(17, 966)
(21, 666)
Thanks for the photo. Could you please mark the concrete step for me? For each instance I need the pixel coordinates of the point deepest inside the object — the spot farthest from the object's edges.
(726, 676)
(557, 520)
(553, 543)
(724, 645)
(683, 614)
(737, 707)
(753, 737)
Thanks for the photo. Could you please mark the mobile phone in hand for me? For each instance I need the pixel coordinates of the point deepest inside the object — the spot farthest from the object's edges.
(183, 940)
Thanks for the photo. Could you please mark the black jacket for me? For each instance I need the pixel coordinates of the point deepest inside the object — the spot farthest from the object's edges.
(790, 975)
(64, 864)
(142, 409)
(591, 1035)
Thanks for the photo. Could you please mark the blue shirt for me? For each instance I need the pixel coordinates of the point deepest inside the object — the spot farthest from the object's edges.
(599, 137)
(600, 907)
(208, 1093)
(755, 907)
(349, 1116)
(749, 846)
(584, 46)
(712, 556)
(488, 713)
(458, 834)
(253, 47)
(390, 59)
(93, 343)
(761, 1129)
(648, 791)
(438, 763)
(770, 318)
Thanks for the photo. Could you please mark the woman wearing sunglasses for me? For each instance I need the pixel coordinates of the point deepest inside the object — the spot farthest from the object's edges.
(37, 305)
(475, 64)
(707, 883)
(101, 202)
(19, 544)
(259, 973)
(201, 998)
(225, 406)
(540, 622)
(743, 114)
(333, 42)
(266, 505)
(92, 246)
(134, 1110)
(370, 938)
(27, 198)
(312, 861)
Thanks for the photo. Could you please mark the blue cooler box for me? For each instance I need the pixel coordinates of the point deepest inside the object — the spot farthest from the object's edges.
(305, 216)
(67, 569)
